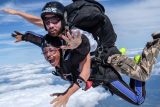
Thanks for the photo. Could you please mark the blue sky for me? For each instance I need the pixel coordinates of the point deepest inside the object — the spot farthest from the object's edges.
(133, 21)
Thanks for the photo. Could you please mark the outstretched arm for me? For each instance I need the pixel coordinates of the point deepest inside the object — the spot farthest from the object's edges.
(85, 67)
(30, 18)
(62, 99)
(28, 36)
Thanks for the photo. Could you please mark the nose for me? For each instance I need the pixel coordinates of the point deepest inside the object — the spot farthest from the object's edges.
(50, 55)
(50, 25)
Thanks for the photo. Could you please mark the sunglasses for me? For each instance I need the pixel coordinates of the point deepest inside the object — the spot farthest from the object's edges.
(53, 20)
(50, 49)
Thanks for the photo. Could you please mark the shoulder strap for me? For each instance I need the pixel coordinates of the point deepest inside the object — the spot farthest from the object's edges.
(97, 4)
(80, 4)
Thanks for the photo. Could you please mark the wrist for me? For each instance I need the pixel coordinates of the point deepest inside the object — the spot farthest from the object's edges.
(17, 13)
(67, 95)
(81, 83)
(73, 88)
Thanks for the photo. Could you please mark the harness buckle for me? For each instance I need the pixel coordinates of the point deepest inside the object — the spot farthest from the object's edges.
(100, 49)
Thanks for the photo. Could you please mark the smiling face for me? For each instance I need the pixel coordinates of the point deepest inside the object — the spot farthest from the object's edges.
(52, 55)
(53, 24)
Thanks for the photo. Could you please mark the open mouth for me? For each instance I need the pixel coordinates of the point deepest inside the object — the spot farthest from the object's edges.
(51, 60)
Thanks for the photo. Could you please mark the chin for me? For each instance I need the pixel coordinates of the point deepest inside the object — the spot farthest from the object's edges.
(53, 35)
(54, 64)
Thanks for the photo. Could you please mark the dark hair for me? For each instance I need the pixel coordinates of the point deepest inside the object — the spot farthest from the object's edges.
(54, 41)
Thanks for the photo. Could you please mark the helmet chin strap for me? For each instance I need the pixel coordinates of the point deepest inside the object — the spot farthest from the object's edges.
(65, 25)
(66, 22)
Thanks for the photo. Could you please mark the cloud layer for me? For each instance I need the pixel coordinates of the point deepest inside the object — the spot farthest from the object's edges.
(30, 85)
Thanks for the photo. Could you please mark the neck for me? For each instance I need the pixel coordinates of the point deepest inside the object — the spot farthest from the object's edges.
(58, 65)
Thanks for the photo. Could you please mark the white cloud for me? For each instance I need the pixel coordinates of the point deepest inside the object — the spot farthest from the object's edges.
(134, 22)
(142, 12)
(30, 85)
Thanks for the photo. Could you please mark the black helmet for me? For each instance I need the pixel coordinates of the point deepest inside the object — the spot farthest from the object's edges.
(82, 0)
(53, 7)
(57, 8)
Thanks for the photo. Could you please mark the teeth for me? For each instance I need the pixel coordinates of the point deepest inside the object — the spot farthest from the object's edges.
(50, 58)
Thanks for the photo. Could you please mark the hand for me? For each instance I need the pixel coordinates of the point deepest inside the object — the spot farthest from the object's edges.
(73, 40)
(10, 11)
(60, 100)
(17, 35)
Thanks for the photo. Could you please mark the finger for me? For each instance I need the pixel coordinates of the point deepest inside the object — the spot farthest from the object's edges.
(16, 41)
(69, 35)
(3, 10)
(58, 104)
(78, 34)
(54, 100)
(60, 35)
(18, 33)
(64, 105)
(65, 38)
(65, 47)
(6, 10)
(13, 35)
(54, 94)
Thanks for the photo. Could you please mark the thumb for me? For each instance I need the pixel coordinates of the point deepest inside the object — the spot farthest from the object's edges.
(16, 41)
(18, 33)
(55, 94)
(3, 10)
(64, 47)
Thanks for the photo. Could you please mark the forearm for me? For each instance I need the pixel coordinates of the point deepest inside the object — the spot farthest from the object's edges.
(85, 67)
(85, 73)
(31, 18)
(72, 89)
(33, 38)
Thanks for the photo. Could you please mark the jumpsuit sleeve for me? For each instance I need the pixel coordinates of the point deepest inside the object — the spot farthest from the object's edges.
(33, 38)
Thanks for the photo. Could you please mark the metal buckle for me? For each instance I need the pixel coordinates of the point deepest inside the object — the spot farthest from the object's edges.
(100, 49)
